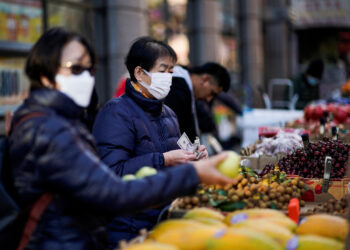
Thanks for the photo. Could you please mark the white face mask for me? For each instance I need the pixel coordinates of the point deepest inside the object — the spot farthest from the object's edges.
(160, 84)
(78, 87)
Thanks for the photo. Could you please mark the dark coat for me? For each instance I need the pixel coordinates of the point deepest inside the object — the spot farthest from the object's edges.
(126, 143)
(306, 92)
(179, 100)
(56, 153)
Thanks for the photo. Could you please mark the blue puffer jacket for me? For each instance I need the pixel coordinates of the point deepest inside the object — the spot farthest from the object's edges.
(55, 153)
(125, 143)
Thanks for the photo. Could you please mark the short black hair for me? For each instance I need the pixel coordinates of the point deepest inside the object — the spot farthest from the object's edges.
(315, 68)
(45, 57)
(144, 52)
(217, 71)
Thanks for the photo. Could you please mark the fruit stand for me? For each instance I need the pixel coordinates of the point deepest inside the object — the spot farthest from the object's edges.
(289, 192)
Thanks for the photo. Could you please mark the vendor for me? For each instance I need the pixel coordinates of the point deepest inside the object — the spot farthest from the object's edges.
(307, 84)
(137, 129)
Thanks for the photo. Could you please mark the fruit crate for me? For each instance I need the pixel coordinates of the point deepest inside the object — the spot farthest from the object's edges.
(177, 213)
(258, 163)
(337, 189)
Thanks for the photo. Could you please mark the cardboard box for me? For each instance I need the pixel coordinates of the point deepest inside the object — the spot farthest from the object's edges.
(259, 163)
(337, 189)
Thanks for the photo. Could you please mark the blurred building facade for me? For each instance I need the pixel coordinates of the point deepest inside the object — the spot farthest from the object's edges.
(256, 40)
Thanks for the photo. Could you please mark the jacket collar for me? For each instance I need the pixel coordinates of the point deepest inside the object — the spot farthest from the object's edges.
(152, 106)
(54, 99)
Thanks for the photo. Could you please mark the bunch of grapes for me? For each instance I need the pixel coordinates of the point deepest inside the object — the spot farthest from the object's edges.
(309, 162)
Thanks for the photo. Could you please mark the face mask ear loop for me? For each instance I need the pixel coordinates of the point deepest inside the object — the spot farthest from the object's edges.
(147, 73)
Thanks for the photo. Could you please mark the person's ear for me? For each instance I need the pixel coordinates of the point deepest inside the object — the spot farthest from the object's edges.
(138, 72)
(46, 82)
(205, 78)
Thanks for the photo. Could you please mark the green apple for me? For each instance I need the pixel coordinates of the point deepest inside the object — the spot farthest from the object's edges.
(145, 171)
(128, 177)
(230, 166)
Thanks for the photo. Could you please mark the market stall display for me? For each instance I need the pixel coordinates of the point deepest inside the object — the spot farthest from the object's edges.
(305, 164)
(309, 162)
(282, 142)
(274, 190)
(321, 118)
(332, 206)
(246, 229)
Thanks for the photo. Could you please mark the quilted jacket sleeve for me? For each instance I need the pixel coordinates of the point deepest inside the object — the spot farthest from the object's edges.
(67, 166)
(115, 135)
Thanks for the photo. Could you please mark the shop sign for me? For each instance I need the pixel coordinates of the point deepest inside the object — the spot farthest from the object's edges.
(320, 13)
(20, 21)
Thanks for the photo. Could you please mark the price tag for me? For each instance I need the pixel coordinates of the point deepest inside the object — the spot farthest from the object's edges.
(326, 174)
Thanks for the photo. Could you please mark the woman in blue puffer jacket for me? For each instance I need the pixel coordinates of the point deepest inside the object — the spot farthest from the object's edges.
(137, 129)
(51, 150)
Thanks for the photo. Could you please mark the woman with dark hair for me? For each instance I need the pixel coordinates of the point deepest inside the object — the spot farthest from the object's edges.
(137, 129)
(52, 152)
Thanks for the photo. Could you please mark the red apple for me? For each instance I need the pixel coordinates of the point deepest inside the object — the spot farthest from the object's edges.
(331, 107)
(340, 114)
(347, 109)
(318, 112)
(308, 112)
(347, 121)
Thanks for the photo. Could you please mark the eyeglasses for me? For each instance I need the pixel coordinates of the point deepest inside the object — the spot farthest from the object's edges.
(77, 69)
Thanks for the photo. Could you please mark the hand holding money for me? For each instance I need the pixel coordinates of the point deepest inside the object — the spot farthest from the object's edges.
(202, 152)
(196, 147)
(179, 156)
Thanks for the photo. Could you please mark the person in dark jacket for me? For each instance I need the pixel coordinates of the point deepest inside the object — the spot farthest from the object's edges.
(54, 152)
(198, 83)
(307, 84)
(138, 130)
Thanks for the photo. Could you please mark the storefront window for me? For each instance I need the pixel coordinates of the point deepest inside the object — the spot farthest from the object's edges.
(20, 26)
(228, 49)
(21, 20)
(167, 23)
(14, 86)
(74, 17)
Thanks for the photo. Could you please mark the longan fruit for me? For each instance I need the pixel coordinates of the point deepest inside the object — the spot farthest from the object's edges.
(221, 197)
(195, 200)
(265, 198)
(244, 182)
(239, 177)
(263, 205)
(230, 192)
(187, 200)
(272, 195)
(240, 193)
(234, 197)
(204, 198)
(280, 189)
(247, 193)
(287, 197)
(250, 204)
(188, 206)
